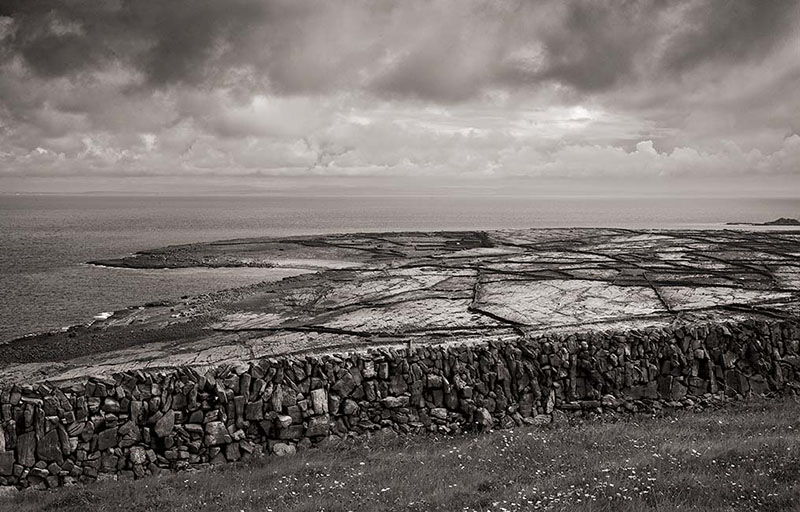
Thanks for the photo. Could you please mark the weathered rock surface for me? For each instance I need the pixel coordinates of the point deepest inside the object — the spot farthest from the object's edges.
(426, 288)
(164, 425)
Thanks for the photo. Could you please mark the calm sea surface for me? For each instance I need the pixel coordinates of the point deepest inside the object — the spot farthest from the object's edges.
(45, 240)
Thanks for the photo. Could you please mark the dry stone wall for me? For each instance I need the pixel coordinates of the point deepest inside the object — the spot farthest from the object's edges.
(139, 423)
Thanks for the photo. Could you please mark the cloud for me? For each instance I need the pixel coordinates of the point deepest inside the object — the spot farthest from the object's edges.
(277, 136)
(445, 87)
(596, 44)
(723, 31)
(645, 161)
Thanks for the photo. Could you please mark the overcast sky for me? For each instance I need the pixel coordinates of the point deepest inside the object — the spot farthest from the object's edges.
(247, 93)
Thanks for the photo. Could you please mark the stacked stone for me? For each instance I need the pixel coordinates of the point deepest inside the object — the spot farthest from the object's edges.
(139, 423)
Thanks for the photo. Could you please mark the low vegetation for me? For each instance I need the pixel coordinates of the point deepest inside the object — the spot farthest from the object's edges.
(745, 456)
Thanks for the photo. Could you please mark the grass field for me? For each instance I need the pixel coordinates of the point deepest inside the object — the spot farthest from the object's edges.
(745, 456)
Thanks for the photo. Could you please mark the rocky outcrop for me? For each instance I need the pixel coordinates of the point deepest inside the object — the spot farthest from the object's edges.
(137, 423)
(426, 289)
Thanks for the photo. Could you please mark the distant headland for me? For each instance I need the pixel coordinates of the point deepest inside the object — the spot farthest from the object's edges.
(783, 221)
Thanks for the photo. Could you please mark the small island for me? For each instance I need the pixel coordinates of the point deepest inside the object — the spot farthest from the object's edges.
(783, 221)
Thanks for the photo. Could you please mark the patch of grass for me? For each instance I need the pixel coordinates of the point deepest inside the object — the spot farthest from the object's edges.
(745, 456)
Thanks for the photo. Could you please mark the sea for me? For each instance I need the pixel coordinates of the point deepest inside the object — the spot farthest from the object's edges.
(46, 240)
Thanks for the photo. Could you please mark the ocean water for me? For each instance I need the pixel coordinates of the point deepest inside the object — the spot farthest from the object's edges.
(46, 240)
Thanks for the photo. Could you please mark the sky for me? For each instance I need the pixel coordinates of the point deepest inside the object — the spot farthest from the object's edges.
(275, 96)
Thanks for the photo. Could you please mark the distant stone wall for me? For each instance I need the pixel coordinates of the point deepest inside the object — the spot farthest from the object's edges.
(139, 423)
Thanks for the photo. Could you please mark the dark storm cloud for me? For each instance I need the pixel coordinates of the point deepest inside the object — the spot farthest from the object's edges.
(170, 41)
(729, 31)
(184, 35)
(52, 52)
(596, 43)
(442, 51)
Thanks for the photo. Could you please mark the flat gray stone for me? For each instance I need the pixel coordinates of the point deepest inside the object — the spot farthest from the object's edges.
(137, 455)
(26, 449)
(165, 424)
(49, 448)
(107, 439)
(217, 434)
(6, 463)
(283, 449)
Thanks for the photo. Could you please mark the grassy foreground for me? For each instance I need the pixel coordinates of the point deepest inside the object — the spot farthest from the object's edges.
(743, 457)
